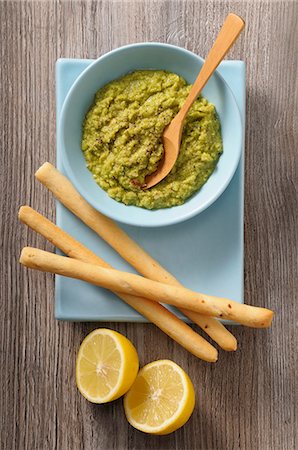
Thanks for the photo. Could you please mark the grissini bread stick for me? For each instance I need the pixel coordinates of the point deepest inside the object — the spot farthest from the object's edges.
(154, 312)
(136, 285)
(65, 192)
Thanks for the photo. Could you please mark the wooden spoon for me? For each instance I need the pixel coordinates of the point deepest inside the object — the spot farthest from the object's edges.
(228, 34)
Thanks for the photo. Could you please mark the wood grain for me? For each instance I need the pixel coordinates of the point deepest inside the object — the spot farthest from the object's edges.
(247, 400)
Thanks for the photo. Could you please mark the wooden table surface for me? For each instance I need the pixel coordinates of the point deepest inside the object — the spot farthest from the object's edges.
(247, 399)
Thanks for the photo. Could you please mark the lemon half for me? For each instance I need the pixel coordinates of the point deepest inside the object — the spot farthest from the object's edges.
(161, 399)
(107, 365)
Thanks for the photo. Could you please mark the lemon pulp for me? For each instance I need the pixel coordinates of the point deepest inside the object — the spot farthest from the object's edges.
(161, 399)
(107, 365)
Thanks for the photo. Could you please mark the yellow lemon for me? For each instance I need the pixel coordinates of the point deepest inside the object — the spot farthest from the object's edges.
(161, 399)
(107, 365)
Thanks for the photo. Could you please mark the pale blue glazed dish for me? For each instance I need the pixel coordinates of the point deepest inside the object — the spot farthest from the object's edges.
(205, 253)
(115, 64)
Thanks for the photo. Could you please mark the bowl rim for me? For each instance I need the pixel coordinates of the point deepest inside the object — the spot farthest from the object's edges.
(84, 192)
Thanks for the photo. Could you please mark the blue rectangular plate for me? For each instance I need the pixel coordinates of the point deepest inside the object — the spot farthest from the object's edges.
(205, 253)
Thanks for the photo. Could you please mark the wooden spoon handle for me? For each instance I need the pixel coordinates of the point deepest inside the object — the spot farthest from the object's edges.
(228, 34)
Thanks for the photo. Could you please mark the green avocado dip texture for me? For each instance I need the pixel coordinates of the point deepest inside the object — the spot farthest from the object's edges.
(122, 139)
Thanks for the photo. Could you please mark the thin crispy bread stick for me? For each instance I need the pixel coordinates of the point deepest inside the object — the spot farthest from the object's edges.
(65, 192)
(154, 312)
(136, 285)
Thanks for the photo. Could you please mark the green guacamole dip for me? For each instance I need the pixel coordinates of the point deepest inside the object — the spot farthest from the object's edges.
(122, 139)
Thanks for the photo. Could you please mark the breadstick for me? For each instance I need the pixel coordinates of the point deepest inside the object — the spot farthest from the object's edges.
(65, 192)
(154, 312)
(136, 285)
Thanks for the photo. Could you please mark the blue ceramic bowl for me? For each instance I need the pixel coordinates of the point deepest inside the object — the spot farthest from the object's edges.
(114, 65)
